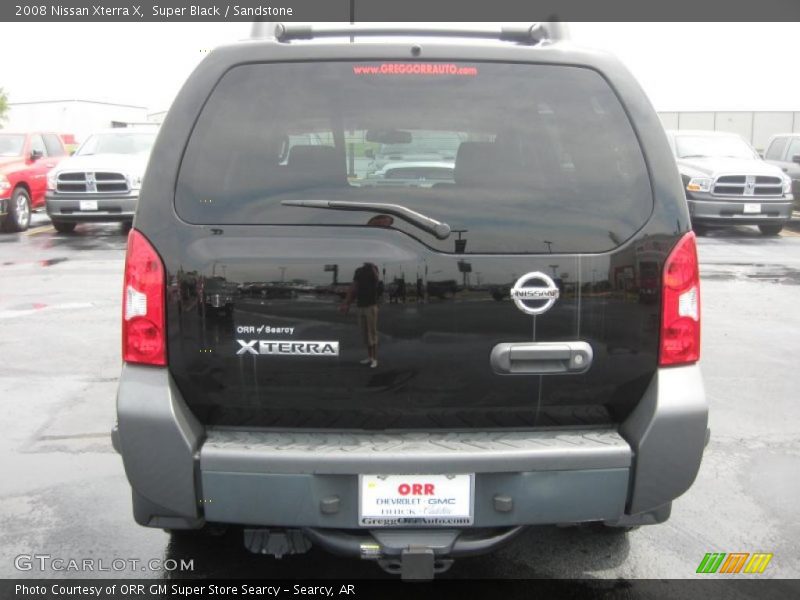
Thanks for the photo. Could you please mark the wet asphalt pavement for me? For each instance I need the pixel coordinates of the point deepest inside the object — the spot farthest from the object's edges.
(63, 491)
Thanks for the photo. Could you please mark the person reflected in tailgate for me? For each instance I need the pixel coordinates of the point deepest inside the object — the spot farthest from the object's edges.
(365, 291)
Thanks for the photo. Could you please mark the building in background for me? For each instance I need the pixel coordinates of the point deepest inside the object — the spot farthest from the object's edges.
(157, 117)
(76, 117)
(754, 126)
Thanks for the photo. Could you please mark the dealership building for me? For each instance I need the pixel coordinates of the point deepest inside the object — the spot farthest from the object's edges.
(76, 117)
(754, 126)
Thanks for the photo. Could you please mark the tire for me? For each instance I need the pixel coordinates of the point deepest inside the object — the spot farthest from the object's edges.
(770, 229)
(64, 226)
(19, 211)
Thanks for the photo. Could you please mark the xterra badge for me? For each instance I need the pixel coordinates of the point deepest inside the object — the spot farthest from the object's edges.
(534, 299)
(288, 348)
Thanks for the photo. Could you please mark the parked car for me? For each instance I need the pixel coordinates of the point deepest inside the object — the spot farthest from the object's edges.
(101, 181)
(219, 294)
(69, 142)
(727, 182)
(783, 151)
(411, 174)
(25, 159)
(415, 145)
(470, 419)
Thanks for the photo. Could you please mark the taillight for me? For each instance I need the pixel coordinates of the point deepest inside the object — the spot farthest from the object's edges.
(143, 323)
(680, 305)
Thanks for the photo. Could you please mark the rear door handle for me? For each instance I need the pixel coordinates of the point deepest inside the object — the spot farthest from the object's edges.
(541, 358)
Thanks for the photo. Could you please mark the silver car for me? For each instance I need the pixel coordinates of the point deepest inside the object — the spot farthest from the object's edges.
(727, 183)
(101, 181)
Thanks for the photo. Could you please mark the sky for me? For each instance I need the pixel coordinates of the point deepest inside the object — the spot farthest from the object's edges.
(681, 66)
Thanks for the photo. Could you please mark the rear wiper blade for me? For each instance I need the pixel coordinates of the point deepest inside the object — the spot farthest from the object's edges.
(440, 230)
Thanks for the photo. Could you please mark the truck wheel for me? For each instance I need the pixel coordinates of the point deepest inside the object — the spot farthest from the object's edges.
(64, 226)
(19, 211)
(770, 229)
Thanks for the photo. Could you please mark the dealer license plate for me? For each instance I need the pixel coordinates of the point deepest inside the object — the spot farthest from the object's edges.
(419, 500)
(88, 204)
(752, 208)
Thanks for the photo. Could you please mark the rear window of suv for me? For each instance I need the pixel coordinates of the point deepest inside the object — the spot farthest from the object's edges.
(533, 158)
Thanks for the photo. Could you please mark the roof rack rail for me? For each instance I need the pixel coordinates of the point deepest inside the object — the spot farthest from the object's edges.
(525, 34)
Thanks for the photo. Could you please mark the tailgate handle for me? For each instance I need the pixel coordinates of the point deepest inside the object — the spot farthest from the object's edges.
(541, 358)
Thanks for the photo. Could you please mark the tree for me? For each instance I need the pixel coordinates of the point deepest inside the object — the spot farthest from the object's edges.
(3, 106)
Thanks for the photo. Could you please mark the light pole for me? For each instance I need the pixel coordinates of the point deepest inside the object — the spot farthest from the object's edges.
(461, 245)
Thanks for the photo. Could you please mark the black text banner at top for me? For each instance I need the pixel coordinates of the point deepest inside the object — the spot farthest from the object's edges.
(361, 11)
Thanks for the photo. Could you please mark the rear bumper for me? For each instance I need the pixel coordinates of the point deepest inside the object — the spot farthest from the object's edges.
(727, 211)
(183, 474)
(109, 208)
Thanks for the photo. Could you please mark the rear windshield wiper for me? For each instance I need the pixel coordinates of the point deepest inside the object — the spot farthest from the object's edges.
(440, 230)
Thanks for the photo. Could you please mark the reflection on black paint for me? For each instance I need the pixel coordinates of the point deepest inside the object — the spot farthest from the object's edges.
(438, 323)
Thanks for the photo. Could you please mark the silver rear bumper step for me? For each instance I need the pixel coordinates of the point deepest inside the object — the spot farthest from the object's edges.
(325, 453)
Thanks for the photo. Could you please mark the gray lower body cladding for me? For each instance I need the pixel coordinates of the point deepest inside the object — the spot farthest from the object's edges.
(61, 207)
(183, 474)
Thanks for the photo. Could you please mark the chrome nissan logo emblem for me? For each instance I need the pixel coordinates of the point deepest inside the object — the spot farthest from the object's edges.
(537, 298)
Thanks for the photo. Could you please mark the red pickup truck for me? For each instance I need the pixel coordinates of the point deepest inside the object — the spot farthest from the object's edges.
(25, 159)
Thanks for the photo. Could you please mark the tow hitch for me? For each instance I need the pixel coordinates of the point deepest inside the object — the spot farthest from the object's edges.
(416, 563)
(414, 554)
(276, 542)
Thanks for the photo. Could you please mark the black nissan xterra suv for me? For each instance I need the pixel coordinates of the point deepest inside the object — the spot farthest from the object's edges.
(568, 400)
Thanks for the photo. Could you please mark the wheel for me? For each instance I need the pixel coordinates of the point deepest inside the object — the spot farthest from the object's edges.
(770, 229)
(64, 226)
(19, 211)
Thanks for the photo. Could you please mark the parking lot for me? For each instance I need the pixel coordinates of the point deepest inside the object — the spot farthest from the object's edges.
(59, 343)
